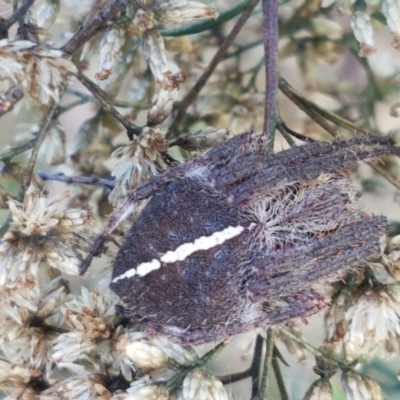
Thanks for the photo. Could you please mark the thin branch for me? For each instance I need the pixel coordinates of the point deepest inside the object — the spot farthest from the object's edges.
(198, 27)
(317, 353)
(195, 90)
(6, 24)
(18, 149)
(102, 97)
(252, 372)
(271, 37)
(93, 180)
(99, 20)
(278, 375)
(263, 391)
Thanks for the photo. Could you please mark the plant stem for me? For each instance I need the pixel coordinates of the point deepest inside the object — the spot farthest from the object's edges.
(271, 37)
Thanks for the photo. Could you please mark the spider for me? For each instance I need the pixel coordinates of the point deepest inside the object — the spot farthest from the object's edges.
(238, 239)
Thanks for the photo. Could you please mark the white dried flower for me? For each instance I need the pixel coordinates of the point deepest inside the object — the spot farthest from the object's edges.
(391, 10)
(360, 23)
(360, 387)
(14, 380)
(42, 232)
(154, 52)
(142, 389)
(372, 319)
(167, 81)
(41, 70)
(319, 390)
(162, 105)
(183, 356)
(110, 49)
(53, 149)
(91, 316)
(140, 160)
(146, 356)
(46, 70)
(12, 65)
(182, 11)
(92, 312)
(90, 387)
(198, 385)
(47, 13)
(142, 22)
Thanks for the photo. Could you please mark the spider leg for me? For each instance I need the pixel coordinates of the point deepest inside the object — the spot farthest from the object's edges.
(321, 258)
(256, 174)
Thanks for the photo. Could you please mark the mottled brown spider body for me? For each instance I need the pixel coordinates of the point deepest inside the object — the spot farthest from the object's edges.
(237, 238)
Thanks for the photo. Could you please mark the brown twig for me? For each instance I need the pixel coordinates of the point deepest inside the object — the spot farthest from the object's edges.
(6, 24)
(218, 57)
(106, 103)
(98, 21)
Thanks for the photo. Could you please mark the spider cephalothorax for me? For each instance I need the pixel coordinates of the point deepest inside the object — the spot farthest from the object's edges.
(237, 238)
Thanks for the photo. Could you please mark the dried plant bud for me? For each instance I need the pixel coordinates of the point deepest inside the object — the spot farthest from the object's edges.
(140, 159)
(372, 319)
(391, 10)
(183, 356)
(53, 149)
(335, 322)
(146, 356)
(142, 22)
(47, 13)
(46, 70)
(360, 22)
(360, 387)
(181, 11)
(319, 390)
(198, 385)
(162, 105)
(143, 390)
(110, 49)
(201, 139)
(154, 52)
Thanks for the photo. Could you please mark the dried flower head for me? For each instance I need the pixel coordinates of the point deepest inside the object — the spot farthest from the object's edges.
(42, 232)
(41, 70)
(91, 318)
(371, 319)
(319, 390)
(200, 385)
(140, 159)
(360, 387)
(110, 49)
(182, 11)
